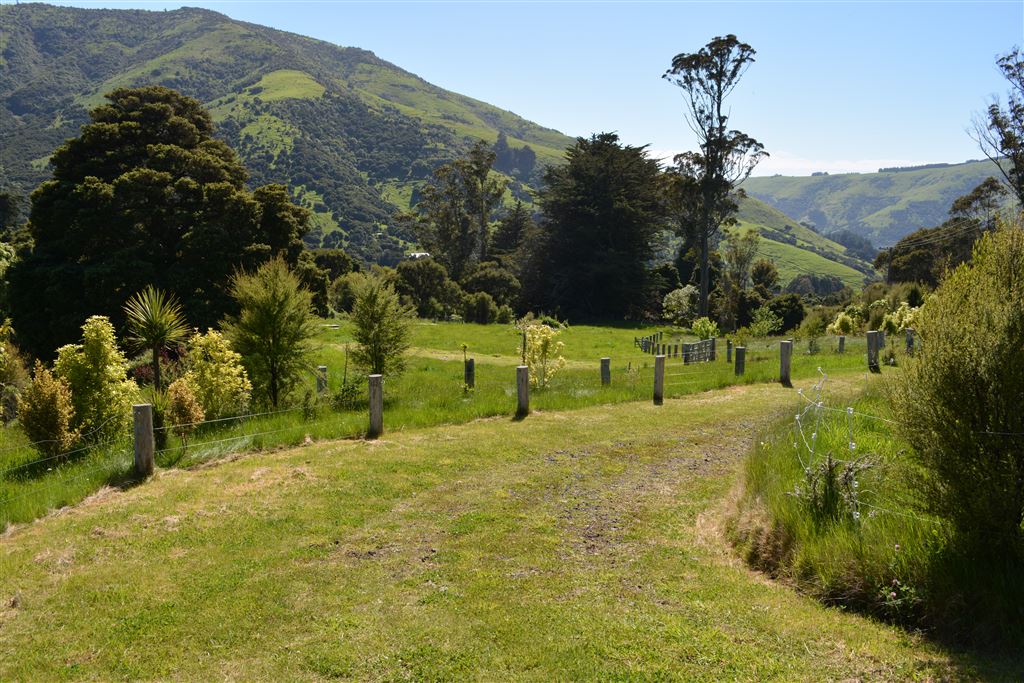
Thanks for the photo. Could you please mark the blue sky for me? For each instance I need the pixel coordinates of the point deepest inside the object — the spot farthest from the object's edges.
(837, 86)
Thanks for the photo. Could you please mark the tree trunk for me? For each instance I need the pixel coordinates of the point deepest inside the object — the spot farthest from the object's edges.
(705, 273)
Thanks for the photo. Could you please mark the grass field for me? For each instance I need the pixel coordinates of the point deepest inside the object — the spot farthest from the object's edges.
(569, 545)
(429, 393)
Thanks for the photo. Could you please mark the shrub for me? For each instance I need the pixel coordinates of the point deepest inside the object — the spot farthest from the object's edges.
(96, 372)
(765, 322)
(900, 319)
(505, 315)
(479, 308)
(47, 414)
(789, 307)
(14, 376)
(217, 377)
(382, 328)
(704, 328)
(679, 305)
(542, 353)
(274, 330)
(183, 409)
(958, 402)
(842, 325)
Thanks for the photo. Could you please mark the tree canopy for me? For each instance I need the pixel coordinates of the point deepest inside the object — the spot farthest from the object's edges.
(602, 214)
(705, 179)
(144, 196)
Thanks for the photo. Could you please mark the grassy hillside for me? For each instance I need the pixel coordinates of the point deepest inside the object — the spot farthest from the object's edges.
(796, 250)
(564, 546)
(880, 206)
(349, 132)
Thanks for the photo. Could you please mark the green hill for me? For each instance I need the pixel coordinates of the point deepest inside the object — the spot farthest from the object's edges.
(797, 250)
(350, 133)
(882, 206)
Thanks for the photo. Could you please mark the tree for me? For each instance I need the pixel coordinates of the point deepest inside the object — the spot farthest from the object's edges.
(216, 376)
(155, 322)
(726, 157)
(602, 214)
(1001, 137)
(274, 329)
(47, 414)
(382, 328)
(425, 282)
(455, 210)
(499, 282)
(765, 277)
(511, 230)
(145, 195)
(738, 255)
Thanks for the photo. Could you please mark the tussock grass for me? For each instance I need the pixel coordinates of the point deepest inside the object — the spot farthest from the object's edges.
(896, 562)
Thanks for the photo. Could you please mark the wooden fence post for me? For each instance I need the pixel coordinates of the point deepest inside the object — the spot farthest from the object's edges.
(741, 358)
(321, 380)
(842, 343)
(606, 371)
(910, 341)
(873, 351)
(145, 446)
(376, 406)
(659, 380)
(469, 373)
(785, 360)
(728, 351)
(714, 351)
(522, 391)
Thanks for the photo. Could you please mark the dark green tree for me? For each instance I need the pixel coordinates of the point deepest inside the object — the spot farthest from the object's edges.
(602, 214)
(145, 195)
(726, 157)
(426, 284)
(497, 281)
(1001, 134)
(511, 230)
(765, 277)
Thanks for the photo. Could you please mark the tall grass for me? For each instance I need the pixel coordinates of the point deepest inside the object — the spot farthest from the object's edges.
(890, 559)
(431, 392)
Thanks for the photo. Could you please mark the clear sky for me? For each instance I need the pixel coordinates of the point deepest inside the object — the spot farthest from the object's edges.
(837, 86)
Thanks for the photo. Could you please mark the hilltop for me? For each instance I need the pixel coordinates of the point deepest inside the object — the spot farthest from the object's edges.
(882, 207)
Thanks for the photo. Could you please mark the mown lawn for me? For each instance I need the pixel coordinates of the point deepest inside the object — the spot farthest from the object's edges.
(431, 392)
(569, 545)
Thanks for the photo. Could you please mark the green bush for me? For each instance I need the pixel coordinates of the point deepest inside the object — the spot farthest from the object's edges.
(680, 305)
(274, 331)
(704, 328)
(217, 377)
(381, 328)
(47, 414)
(958, 402)
(479, 308)
(183, 409)
(96, 372)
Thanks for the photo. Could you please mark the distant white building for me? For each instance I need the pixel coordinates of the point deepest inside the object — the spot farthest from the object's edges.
(419, 254)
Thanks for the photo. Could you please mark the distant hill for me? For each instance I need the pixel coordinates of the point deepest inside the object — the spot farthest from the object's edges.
(351, 133)
(796, 250)
(882, 207)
